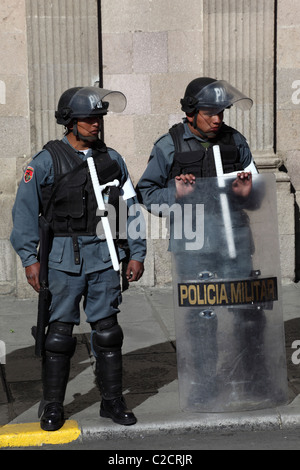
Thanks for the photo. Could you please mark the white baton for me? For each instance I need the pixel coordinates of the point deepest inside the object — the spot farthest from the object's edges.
(224, 203)
(101, 206)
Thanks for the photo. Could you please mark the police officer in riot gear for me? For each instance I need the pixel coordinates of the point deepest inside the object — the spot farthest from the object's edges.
(184, 154)
(57, 184)
(187, 148)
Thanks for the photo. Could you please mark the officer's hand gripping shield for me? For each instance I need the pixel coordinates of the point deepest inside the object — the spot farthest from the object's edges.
(227, 291)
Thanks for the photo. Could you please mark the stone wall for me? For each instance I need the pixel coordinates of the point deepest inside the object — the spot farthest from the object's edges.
(151, 50)
(153, 53)
(14, 122)
(288, 112)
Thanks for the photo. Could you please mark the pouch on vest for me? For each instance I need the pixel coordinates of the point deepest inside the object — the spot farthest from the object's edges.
(69, 206)
(187, 162)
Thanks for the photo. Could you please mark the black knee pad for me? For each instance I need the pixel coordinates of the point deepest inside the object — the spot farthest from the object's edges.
(107, 335)
(59, 339)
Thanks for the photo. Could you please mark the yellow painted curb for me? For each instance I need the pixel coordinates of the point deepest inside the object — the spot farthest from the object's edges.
(31, 434)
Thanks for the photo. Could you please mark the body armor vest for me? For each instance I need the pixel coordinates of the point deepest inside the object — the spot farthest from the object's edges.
(192, 157)
(70, 205)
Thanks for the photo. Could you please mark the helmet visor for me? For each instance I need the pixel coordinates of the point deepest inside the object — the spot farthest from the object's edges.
(91, 101)
(220, 95)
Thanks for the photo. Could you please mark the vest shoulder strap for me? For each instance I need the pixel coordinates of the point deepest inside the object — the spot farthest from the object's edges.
(180, 144)
(63, 157)
(176, 133)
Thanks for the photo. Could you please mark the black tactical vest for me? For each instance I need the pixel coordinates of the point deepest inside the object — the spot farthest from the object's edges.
(70, 205)
(192, 157)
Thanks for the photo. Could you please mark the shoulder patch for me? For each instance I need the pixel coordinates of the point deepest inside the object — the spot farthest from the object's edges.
(28, 175)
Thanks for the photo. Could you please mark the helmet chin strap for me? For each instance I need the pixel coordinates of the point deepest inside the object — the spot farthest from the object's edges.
(91, 138)
(204, 135)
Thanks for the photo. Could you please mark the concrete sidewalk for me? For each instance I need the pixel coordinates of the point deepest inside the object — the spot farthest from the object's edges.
(150, 375)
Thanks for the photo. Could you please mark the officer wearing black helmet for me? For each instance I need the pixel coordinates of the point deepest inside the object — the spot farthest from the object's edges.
(183, 155)
(185, 152)
(58, 185)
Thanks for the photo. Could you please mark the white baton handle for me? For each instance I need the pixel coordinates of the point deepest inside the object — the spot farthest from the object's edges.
(224, 203)
(101, 206)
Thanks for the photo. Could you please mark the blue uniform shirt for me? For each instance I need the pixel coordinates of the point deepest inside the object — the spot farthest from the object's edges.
(152, 186)
(94, 252)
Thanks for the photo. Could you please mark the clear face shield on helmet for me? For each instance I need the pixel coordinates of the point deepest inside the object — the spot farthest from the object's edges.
(80, 103)
(90, 101)
(220, 95)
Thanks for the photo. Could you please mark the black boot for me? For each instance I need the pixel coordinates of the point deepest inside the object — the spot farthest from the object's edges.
(59, 347)
(116, 409)
(106, 341)
(52, 417)
(109, 379)
(55, 378)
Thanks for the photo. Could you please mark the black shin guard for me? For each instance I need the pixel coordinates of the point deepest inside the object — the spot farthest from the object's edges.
(107, 340)
(109, 374)
(59, 348)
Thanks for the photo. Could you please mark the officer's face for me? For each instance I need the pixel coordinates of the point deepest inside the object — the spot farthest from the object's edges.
(89, 127)
(207, 122)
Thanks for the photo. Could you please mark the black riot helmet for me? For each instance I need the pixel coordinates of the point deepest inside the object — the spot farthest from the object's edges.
(84, 102)
(207, 93)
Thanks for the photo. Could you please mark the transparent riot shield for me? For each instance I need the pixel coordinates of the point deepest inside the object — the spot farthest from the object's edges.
(227, 290)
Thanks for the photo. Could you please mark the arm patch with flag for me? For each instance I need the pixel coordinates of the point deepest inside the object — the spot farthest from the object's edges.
(28, 175)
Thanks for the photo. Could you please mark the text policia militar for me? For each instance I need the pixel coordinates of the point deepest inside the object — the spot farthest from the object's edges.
(136, 222)
(248, 291)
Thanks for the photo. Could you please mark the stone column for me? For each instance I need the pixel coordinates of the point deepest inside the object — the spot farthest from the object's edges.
(14, 122)
(239, 46)
(288, 107)
(59, 50)
(62, 53)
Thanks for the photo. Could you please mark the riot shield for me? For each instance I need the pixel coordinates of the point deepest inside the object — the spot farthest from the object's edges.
(227, 293)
